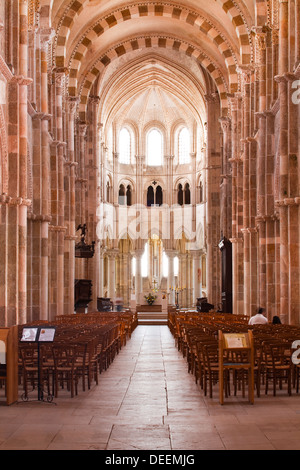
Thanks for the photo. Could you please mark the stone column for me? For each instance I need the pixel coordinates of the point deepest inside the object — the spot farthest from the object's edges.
(169, 189)
(197, 275)
(140, 159)
(293, 204)
(213, 200)
(138, 277)
(60, 229)
(82, 164)
(98, 221)
(297, 38)
(101, 273)
(111, 275)
(245, 188)
(283, 209)
(171, 276)
(70, 237)
(237, 247)
(226, 204)
(23, 83)
(45, 37)
(81, 215)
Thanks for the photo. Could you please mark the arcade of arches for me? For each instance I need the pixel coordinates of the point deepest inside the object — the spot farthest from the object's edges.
(147, 133)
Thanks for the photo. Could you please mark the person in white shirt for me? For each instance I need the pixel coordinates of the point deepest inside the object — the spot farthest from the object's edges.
(259, 318)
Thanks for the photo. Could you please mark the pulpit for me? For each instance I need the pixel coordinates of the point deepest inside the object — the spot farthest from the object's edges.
(83, 294)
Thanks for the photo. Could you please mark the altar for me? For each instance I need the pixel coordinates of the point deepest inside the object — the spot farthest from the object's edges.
(160, 304)
(149, 308)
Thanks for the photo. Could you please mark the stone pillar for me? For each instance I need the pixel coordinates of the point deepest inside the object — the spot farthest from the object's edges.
(197, 276)
(138, 277)
(140, 159)
(169, 189)
(213, 200)
(81, 213)
(226, 204)
(293, 204)
(82, 165)
(45, 37)
(297, 38)
(283, 209)
(70, 237)
(60, 229)
(246, 84)
(101, 274)
(111, 275)
(171, 276)
(23, 83)
(98, 200)
(237, 246)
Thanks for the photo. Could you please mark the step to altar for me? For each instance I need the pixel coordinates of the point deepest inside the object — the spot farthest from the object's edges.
(152, 318)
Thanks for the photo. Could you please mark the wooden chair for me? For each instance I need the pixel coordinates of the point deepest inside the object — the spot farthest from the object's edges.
(210, 372)
(64, 368)
(36, 370)
(276, 357)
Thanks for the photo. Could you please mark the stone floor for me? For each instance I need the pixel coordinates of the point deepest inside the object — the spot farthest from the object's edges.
(146, 400)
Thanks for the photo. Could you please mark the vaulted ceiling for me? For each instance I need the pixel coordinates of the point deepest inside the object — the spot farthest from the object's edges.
(174, 52)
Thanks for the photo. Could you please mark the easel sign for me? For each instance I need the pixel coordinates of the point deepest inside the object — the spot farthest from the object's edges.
(29, 335)
(236, 351)
(46, 334)
(236, 340)
(40, 334)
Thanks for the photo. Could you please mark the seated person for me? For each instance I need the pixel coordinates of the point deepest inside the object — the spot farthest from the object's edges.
(259, 318)
(276, 320)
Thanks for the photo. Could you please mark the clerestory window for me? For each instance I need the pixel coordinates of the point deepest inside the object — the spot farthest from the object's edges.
(125, 146)
(184, 146)
(154, 148)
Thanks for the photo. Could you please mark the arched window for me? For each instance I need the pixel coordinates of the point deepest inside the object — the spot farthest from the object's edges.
(159, 196)
(154, 148)
(144, 261)
(124, 146)
(107, 192)
(201, 192)
(165, 265)
(133, 266)
(150, 196)
(184, 194)
(184, 146)
(187, 194)
(128, 196)
(154, 197)
(180, 195)
(176, 266)
(122, 200)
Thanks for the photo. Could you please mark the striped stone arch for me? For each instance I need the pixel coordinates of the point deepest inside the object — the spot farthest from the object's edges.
(242, 30)
(139, 10)
(192, 18)
(102, 62)
(183, 14)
